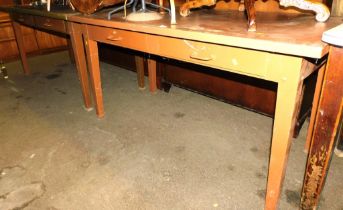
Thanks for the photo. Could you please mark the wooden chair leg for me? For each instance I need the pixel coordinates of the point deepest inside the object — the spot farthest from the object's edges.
(251, 13)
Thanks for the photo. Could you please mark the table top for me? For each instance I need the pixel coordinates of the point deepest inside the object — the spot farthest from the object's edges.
(291, 34)
(56, 12)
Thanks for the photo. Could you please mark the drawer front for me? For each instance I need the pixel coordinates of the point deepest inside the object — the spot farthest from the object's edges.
(23, 19)
(50, 24)
(227, 58)
(122, 38)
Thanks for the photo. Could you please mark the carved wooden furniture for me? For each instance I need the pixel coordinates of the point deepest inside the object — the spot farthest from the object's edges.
(322, 12)
(270, 55)
(326, 120)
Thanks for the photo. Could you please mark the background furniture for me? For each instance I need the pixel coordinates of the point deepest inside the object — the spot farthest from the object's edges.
(53, 22)
(35, 41)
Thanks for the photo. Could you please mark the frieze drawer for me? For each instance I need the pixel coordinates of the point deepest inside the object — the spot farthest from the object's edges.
(212, 55)
(128, 39)
(23, 19)
(50, 24)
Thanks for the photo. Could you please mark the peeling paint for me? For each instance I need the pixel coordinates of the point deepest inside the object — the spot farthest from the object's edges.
(317, 161)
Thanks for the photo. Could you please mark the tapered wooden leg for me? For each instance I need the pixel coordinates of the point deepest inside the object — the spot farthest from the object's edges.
(21, 47)
(94, 72)
(324, 132)
(152, 75)
(251, 13)
(70, 51)
(140, 71)
(288, 98)
(314, 109)
(76, 43)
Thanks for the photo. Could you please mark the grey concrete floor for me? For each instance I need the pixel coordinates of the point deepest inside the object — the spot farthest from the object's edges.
(176, 150)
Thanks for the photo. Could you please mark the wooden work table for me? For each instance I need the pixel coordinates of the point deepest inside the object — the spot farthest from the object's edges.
(54, 21)
(285, 50)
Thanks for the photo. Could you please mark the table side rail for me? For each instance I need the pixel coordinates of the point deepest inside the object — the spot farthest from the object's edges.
(248, 62)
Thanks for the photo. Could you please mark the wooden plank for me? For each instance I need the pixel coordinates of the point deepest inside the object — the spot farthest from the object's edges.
(323, 137)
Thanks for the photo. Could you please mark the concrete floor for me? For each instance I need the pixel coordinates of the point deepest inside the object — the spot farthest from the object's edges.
(176, 150)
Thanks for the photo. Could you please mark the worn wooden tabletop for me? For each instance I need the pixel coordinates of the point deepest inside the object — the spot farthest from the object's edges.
(293, 34)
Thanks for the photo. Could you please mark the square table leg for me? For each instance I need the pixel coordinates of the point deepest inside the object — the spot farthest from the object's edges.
(21, 47)
(152, 74)
(288, 99)
(140, 71)
(94, 72)
(76, 40)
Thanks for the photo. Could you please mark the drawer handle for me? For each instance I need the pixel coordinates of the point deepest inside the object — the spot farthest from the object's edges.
(47, 25)
(112, 38)
(201, 56)
(199, 53)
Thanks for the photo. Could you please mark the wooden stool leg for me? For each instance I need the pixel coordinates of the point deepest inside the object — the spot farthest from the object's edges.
(77, 48)
(251, 13)
(94, 72)
(288, 99)
(140, 72)
(21, 47)
(152, 75)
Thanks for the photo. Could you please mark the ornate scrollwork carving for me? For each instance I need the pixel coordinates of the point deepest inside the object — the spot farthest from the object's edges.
(322, 12)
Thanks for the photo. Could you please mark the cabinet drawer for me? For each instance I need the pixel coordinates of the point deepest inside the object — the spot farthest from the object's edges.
(23, 19)
(227, 58)
(122, 38)
(50, 24)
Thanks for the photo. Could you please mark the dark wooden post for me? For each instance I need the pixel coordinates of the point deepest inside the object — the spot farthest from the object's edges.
(325, 130)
